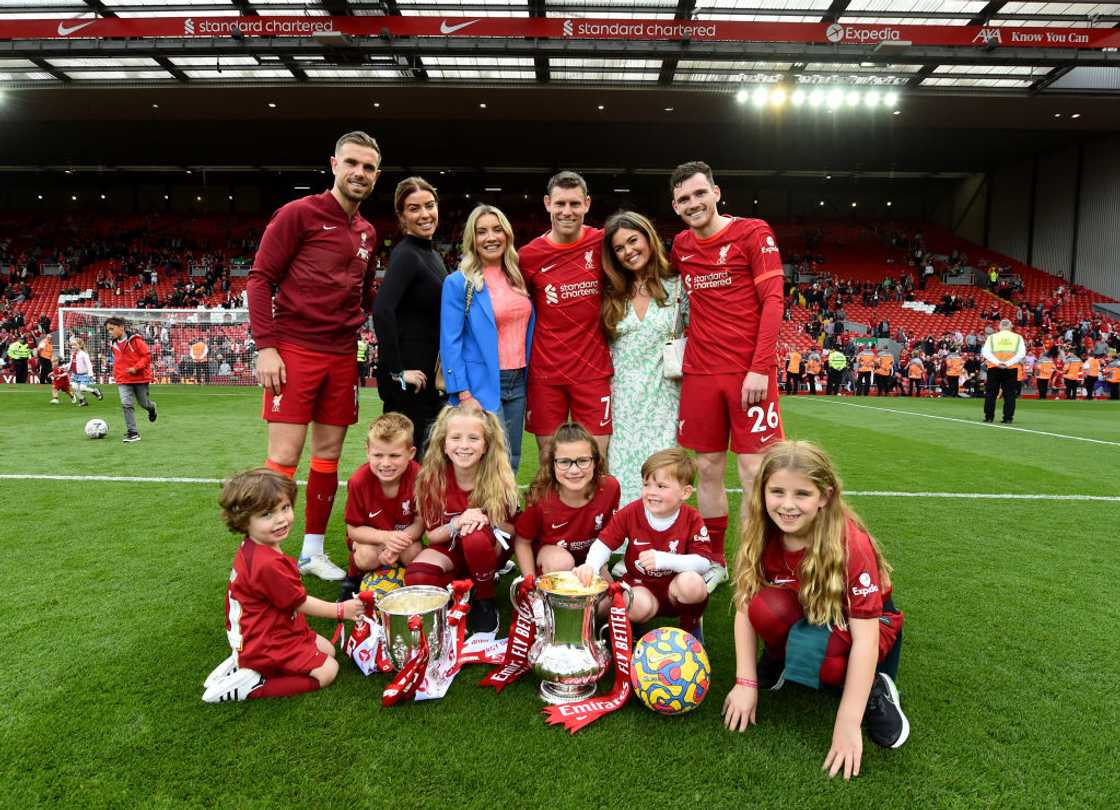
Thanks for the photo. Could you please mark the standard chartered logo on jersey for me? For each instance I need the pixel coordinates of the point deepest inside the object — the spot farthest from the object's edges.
(578, 289)
(709, 280)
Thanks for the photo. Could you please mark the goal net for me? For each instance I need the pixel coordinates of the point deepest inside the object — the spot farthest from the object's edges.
(193, 346)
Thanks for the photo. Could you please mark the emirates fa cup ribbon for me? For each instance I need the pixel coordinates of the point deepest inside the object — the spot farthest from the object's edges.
(522, 630)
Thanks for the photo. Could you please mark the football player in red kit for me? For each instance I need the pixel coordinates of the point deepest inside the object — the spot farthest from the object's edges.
(733, 278)
(383, 525)
(570, 502)
(569, 366)
(309, 291)
(275, 653)
(60, 384)
(667, 545)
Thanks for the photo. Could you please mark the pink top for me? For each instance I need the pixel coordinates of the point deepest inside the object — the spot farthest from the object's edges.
(511, 314)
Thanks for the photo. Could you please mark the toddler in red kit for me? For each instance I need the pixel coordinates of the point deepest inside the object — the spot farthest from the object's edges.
(275, 652)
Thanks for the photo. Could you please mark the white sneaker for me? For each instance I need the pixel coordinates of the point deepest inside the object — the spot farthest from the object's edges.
(619, 568)
(223, 670)
(714, 576)
(321, 566)
(233, 687)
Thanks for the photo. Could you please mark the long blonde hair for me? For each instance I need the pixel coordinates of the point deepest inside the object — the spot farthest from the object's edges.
(620, 283)
(822, 573)
(495, 490)
(471, 263)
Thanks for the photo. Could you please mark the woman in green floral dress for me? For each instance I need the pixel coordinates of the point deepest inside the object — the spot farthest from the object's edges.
(640, 301)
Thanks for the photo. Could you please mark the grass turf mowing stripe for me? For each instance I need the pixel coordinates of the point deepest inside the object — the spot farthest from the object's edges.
(995, 496)
(975, 423)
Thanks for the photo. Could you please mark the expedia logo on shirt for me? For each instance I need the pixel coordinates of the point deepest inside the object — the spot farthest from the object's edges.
(868, 587)
(769, 247)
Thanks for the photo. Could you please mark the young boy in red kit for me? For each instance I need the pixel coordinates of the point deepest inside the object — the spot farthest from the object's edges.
(275, 652)
(667, 545)
(383, 526)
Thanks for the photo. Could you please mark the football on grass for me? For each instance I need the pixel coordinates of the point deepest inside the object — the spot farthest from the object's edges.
(97, 428)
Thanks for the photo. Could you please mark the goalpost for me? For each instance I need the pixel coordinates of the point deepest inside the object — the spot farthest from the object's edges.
(191, 346)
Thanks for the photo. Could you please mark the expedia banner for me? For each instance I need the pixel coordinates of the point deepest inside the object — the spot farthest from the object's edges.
(562, 28)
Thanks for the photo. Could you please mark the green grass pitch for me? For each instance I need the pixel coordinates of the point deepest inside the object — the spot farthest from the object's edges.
(113, 615)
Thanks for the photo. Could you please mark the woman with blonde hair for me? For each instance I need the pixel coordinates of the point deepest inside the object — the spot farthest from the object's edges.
(486, 325)
(641, 298)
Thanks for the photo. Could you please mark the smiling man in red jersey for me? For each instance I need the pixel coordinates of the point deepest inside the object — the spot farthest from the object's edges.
(570, 367)
(310, 290)
(733, 278)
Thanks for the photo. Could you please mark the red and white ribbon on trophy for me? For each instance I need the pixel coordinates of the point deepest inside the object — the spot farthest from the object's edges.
(522, 631)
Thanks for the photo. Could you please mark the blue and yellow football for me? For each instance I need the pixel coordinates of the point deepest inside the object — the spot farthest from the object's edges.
(383, 580)
(669, 671)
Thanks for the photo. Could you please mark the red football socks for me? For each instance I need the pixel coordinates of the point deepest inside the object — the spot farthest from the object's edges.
(283, 469)
(717, 532)
(482, 561)
(421, 573)
(284, 687)
(322, 484)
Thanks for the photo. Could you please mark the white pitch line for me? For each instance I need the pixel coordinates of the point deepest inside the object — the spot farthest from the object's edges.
(869, 493)
(979, 424)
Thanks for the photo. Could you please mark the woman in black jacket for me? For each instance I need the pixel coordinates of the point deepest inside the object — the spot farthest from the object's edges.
(406, 312)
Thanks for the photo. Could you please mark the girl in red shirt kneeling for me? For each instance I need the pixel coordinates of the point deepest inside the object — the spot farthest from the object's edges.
(812, 584)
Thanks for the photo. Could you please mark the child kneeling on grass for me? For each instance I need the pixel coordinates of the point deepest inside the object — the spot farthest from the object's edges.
(383, 525)
(275, 652)
(466, 493)
(812, 584)
(668, 549)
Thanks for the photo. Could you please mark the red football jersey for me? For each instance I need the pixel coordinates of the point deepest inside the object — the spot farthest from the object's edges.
(455, 501)
(261, 619)
(566, 282)
(734, 284)
(687, 535)
(367, 505)
(865, 596)
(551, 522)
(319, 263)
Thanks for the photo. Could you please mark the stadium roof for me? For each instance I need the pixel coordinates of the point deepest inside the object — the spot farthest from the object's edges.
(923, 46)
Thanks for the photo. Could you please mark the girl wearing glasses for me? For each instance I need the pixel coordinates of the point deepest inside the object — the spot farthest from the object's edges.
(569, 503)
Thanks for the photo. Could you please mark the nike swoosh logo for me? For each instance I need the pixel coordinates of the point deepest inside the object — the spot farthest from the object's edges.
(686, 258)
(559, 525)
(444, 28)
(375, 514)
(549, 267)
(765, 439)
(64, 30)
(329, 227)
(641, 542)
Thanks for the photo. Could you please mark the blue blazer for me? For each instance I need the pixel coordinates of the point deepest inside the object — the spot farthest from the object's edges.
(469, 346)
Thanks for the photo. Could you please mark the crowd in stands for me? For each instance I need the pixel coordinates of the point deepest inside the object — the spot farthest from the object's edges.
(850, 284)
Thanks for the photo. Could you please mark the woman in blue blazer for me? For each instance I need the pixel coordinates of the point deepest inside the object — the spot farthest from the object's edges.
(486, 325)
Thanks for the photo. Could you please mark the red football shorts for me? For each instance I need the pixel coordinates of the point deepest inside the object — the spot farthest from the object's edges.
(712, 412)
(589, 402)
(659, 587)
(320, 388)
(295, 659)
